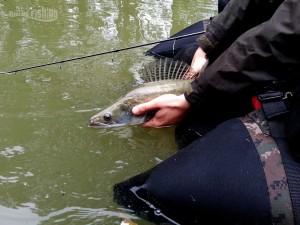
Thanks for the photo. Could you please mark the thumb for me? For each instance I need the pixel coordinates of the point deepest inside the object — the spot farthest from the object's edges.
(144, 108)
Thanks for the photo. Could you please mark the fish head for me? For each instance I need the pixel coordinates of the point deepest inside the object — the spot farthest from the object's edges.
(118, 114)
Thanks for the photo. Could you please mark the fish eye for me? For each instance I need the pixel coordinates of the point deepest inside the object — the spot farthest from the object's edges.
(107, 117)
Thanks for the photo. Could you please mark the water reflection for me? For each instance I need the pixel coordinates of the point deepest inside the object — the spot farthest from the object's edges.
(10, 152)
(155, 19)
(28, 213)
(18, 215)
(54, 168)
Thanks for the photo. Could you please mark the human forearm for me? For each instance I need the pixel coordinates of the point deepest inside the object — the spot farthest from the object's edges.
(237, 17)
(264, 54)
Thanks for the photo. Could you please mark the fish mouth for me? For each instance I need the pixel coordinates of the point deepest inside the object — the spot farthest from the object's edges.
(96, 124)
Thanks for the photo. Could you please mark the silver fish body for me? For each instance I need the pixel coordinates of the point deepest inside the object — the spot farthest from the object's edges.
(120, 113)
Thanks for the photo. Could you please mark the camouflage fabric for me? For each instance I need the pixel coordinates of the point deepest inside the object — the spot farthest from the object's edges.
(276, 179)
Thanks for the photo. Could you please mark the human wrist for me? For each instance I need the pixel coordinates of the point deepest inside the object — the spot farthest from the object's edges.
(195, 95)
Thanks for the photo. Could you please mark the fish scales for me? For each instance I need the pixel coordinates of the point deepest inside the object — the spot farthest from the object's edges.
(161, 87)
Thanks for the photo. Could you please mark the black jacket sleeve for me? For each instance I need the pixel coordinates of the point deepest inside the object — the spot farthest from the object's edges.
(237, 17)
(267, 52)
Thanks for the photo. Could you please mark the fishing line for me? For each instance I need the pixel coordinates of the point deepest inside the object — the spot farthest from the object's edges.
(101, 53)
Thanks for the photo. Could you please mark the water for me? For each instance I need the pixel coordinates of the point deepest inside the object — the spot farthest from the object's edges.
(54, 168)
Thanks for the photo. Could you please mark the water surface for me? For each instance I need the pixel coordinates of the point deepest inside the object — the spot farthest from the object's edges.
(54, 168)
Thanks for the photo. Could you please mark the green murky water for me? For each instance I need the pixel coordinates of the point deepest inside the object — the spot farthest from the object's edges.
(54, 168)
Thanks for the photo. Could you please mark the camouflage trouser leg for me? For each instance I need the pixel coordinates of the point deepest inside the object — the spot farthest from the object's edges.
(276, 179)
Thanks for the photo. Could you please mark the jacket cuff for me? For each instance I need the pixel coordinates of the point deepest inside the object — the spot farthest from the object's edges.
(205, 43)
(209, 40)
(196, 96)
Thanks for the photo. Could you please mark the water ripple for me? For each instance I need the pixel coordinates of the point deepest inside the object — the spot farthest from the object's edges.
(11, 152)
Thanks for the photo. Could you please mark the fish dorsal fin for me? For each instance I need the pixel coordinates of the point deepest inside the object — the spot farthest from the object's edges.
(164, 69)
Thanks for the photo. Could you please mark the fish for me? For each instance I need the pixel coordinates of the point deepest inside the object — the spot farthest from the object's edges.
(161, 76)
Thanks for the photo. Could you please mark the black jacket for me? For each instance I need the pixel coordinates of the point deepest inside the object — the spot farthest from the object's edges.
(249, 43)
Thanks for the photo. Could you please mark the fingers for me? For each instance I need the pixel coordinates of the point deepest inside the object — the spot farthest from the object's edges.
(136, 110)
(169, 108)
(150, 123)
(190, 74)
(153, 105)
(157, 121)
(144, 108)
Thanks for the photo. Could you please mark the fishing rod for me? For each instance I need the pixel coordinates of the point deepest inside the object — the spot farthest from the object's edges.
(102, 53)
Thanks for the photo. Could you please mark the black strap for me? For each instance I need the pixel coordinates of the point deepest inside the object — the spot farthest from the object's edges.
(275, 110)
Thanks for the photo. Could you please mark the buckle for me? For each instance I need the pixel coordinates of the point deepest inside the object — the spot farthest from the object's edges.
(288, 95)
(270, 96)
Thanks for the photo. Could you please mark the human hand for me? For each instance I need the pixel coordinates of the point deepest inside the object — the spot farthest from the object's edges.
(199, 60)
(170, 110)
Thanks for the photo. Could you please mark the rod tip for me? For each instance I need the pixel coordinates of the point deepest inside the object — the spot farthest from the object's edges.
(7, 73)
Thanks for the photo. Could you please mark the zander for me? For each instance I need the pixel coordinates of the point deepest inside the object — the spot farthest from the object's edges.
(163, 76)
